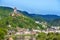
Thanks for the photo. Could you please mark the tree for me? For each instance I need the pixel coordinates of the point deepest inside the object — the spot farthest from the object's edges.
(3, 32)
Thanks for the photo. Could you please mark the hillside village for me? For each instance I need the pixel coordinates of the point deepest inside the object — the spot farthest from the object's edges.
(28, 33)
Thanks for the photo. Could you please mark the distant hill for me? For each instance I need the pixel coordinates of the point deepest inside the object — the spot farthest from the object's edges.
(56, 22)
(50, 19)
(34, 16)
(40, 17)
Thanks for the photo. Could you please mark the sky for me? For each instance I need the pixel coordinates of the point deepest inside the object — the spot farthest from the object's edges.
(34, 6)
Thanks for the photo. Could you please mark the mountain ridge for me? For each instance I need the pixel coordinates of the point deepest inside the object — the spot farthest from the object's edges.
(46, 17)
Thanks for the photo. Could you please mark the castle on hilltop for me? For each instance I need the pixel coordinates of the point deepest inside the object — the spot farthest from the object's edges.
(15, 12)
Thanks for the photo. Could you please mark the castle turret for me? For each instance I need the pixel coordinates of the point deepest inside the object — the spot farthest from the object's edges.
(15, 10)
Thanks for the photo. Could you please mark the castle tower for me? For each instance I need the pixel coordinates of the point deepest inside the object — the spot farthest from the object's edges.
(15, 10)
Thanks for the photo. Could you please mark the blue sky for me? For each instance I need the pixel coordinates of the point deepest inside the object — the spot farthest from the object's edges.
(34, 6)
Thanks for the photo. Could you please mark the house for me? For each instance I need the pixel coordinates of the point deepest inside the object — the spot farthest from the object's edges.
(55, 27)
(37, 22)
(44, 24)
